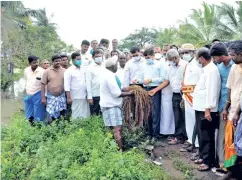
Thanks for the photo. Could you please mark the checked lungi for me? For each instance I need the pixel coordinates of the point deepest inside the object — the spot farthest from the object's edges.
(112, 116)
(55, 104)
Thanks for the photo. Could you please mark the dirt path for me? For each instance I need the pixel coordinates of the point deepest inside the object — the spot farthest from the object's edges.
(178, 164)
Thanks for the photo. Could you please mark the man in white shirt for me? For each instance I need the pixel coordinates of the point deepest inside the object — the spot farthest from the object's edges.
(34, 109)
(192, 74)
(120, 73)
(111, 101)
(115, 45)
(94, 45)
(93, 82)
(205, 104)
(86, 57)
(133, 71)
(174, 77)
(75, 87)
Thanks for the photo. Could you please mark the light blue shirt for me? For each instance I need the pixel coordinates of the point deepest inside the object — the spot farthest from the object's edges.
(224, 74)
(155, 72)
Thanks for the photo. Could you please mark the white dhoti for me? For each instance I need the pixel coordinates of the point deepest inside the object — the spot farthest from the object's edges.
(167, 122)
(190, 122)
(80, 108)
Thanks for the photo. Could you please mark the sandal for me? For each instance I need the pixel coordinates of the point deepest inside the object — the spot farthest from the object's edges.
(203, 167)
(174, 141)
(193, 158)
(198, 161)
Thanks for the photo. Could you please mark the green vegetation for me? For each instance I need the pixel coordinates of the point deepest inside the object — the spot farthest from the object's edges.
(82, 149)
(183, 167)
(199, 28)
(25, 32)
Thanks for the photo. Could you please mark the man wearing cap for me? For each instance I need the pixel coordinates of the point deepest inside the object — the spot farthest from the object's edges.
(225, 62)
(191, 76)
(111, 99)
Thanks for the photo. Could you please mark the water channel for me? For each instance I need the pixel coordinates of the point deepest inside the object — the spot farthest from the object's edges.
(13, 102)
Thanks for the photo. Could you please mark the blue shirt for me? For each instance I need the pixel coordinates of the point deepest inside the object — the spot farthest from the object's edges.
(155, 72)
(224, 74)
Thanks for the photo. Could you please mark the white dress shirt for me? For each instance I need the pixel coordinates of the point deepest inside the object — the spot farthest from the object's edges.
(93, 80)
(109, 90)
(33, 80)
(175, 75)
(75, 82)
(207, 90)
(193, 73)
(133, 71)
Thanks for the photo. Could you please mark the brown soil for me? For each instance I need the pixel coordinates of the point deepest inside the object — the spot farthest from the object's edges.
(167, 154)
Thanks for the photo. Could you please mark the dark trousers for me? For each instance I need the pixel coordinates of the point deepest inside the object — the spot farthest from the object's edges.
(154, 118)
(95, 108)
(179, 116)
(194, 135)
(206, 137)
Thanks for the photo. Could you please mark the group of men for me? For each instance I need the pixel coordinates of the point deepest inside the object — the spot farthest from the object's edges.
(194, 92)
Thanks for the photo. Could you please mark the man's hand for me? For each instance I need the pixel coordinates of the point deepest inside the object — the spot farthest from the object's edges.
(135, 81)
(225, 115)
(208, 115)
(90, 101)
(69, 100)
(43, 100)
(146, 81)
(126, 89)
(235, 119)
(152, 92)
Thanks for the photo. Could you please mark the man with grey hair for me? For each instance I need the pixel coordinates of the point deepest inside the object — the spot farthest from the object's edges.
(205, 104)
(111, 99)
(174, 77)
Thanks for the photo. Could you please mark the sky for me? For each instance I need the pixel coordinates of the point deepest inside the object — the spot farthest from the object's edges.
(96, 19)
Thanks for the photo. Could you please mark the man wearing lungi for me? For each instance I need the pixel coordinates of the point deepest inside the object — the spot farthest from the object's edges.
(34, 110)
(111, 99)
(53, 78)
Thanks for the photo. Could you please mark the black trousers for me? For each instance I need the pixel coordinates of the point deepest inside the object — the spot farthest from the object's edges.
(154, 118)
(95, 108)
(179, 116)
(206, 137)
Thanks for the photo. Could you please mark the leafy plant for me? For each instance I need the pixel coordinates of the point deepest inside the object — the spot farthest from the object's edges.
(80, 149)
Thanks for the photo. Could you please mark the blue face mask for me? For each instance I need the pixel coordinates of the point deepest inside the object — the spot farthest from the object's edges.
(98, 59)
(78, 62)
(150, 61)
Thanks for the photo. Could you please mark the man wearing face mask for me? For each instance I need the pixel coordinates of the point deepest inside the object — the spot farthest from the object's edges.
(134, 69)
(75, 87)
(191, 76)
(152, 77)
(158, 54)
(93, 82)
(224, 63)
(174, 77)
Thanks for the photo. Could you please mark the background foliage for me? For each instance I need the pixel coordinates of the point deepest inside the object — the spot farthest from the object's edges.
(199, 28)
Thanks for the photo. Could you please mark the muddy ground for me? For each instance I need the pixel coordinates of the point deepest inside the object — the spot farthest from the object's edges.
(178, 164)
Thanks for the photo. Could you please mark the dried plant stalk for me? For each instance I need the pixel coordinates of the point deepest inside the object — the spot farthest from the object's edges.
(140, 104)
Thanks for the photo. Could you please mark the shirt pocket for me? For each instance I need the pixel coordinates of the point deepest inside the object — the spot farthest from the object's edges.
(38, 81)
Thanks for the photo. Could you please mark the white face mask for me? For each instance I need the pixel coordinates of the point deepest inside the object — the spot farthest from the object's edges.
(98, 59)
(137, 58)
(199, 64)
(187, 57)
(115, 57)
(158, 56)
(171, 63)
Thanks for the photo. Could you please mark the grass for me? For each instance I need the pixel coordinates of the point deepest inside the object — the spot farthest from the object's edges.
(183, 167)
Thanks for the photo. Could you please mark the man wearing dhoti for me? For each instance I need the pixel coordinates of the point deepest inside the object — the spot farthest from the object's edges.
(76, 89)
(191, 76)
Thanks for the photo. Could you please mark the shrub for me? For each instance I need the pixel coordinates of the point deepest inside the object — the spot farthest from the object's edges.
(81, 149)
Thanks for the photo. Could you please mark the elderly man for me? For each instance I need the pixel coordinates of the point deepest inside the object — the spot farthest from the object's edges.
(205, 104)
(45, 64)
(94, 45)
(93, 82)
(224, 63)
(34, 110)
(174, 77)
(111, 101)
(53, 78)
(75, 87)
(191, 76)
(120, 73)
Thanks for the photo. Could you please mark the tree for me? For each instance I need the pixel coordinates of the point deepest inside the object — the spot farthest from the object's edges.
(140, 38)
(167, 36)
(43, 20)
